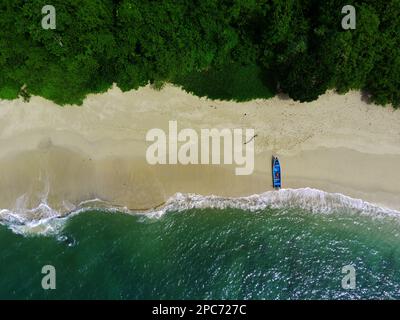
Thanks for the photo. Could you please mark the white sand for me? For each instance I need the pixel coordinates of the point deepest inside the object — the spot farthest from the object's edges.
(70, 154)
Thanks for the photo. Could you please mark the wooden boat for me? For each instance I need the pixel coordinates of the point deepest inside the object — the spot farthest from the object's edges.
(276, 173)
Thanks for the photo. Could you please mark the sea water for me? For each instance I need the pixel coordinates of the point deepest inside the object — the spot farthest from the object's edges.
(291, 244)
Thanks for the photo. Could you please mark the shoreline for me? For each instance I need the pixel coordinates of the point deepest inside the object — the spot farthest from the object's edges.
(70, 154)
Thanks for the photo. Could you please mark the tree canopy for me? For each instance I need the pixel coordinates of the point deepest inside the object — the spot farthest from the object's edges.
(228, 49)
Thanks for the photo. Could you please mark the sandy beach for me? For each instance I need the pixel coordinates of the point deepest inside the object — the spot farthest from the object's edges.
(70, 154)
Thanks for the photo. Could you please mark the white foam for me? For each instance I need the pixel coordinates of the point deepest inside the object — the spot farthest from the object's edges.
(309, 199)
(43, 220)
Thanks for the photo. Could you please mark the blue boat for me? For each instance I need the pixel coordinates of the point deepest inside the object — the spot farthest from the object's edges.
(276, 173)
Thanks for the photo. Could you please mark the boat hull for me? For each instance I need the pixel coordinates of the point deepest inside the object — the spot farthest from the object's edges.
(276, 173)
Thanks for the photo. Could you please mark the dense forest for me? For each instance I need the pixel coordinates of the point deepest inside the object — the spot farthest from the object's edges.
(228, 49)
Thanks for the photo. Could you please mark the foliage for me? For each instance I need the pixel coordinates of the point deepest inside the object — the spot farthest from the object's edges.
(230, 82)
(226, 49)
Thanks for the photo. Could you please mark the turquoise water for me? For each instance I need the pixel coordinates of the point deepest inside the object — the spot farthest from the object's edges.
(282, 253)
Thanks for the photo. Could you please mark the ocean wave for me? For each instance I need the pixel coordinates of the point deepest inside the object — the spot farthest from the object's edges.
(43, 220)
